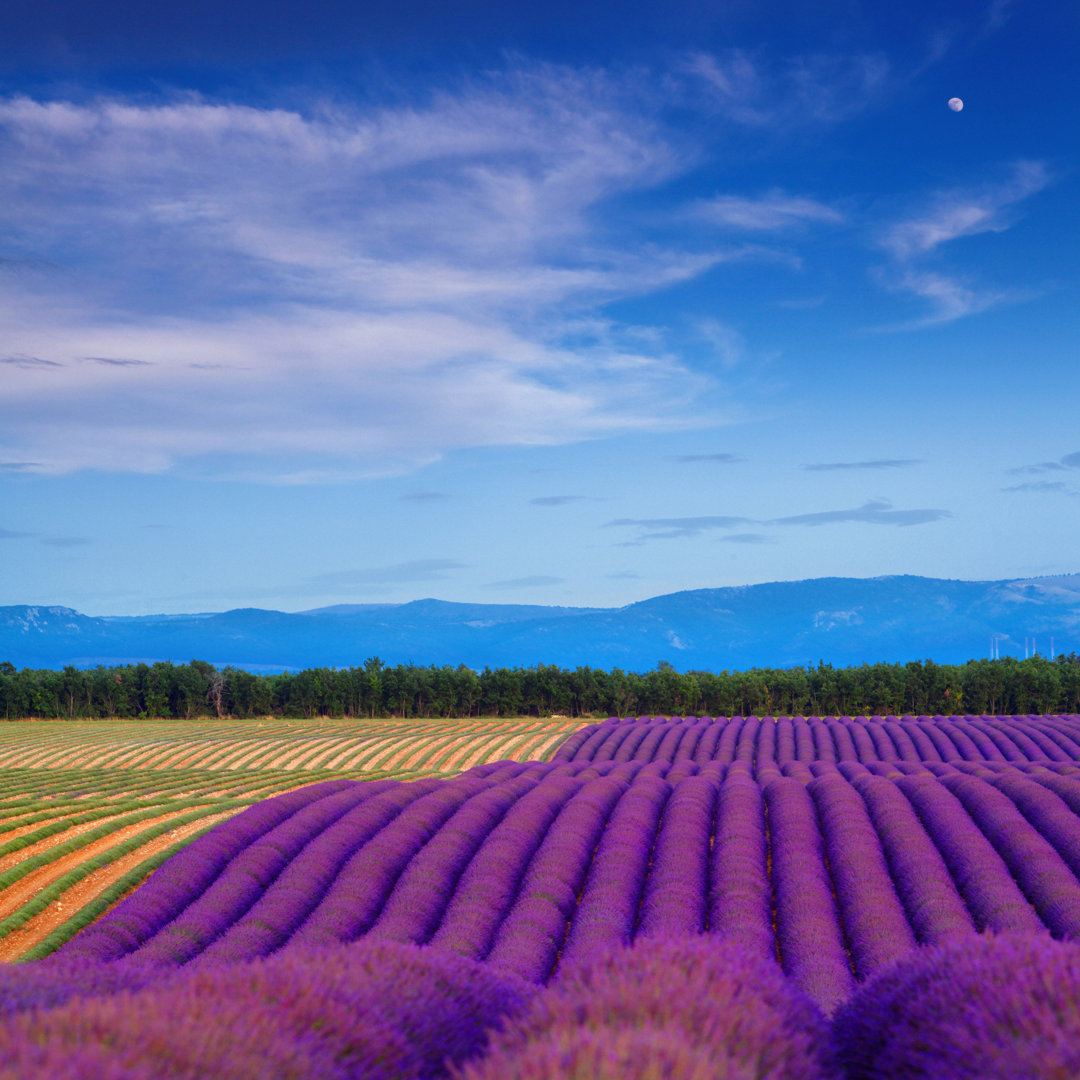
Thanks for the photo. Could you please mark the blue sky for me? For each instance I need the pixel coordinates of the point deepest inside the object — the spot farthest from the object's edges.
(565, 304)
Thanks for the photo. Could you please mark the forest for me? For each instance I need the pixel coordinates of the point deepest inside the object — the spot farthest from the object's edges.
(374, 689)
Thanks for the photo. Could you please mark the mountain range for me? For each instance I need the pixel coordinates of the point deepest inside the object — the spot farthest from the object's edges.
(843, 621)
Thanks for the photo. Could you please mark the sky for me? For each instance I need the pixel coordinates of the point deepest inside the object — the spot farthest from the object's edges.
(563, 304)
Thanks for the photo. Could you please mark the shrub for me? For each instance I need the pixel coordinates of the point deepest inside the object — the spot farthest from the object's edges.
(985, 1008)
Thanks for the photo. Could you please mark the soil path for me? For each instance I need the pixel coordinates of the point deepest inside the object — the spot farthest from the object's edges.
(79, 895)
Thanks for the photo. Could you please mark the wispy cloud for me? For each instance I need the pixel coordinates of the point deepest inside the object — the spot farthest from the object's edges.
(1044, 487)
(821, 88)
(949, 216)
(770, 212)
(716, 459)
(998, 13)
(957, 213)
(413, 276)
(404, 572)
(881, 463)
(531, 582)
(1068, 461)
(948, 297)
(672, 528)
(874, 512)
(29, 362)
(557, 500)
(114, 361)
(728, 345)
(49, 541)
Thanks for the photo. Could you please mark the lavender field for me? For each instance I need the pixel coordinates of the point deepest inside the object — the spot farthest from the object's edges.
(667, 897)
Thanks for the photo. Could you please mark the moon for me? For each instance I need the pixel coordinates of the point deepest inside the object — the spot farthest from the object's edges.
(955, 104)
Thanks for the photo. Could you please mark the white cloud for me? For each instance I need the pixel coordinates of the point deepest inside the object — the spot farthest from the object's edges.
(954, 214)
(818, 89)
(296, 296)
(949, 298)
(950, 216)
(773, 211)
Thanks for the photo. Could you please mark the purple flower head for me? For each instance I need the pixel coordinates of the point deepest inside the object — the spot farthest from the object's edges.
(986, 1008)
(701, 993)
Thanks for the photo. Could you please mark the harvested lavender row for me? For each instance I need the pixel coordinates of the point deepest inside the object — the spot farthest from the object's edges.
(187, 875)
(835, 865)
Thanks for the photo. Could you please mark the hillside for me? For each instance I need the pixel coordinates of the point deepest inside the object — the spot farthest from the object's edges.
(842, 620)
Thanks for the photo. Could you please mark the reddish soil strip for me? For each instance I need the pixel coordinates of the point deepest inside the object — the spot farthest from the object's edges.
(498, 752)
(14, 896)
(91, 886)
(340, 747)
(15, 857)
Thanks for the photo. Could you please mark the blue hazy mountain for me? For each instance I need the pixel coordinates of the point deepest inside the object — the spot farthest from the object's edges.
(840, 620)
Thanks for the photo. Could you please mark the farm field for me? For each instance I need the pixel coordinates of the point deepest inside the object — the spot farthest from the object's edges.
(89, 810)
(842, 898)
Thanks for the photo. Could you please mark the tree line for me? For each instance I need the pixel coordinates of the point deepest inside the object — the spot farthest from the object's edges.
(374, 689)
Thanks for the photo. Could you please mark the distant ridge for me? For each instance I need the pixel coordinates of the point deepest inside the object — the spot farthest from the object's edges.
(779, 624)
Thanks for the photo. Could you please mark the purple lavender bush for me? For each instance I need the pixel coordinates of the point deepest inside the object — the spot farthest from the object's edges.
(987, 1008)
(689, 998)
(365, 1011)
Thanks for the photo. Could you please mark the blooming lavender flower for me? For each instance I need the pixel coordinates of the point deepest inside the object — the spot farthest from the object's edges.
(934, 908)
(902, 740)
(875, 926)
(844, 743)
(811, 944)
(607, 910)
(489, 885)
(740, 897)
(529, 939)
(804, 740)
(191, 872)
(981, 876)
(978, 1009)
(675, 891)
(699, 993)
(706, 748)
(372, 1010)
(1040, 871)
(824, 747)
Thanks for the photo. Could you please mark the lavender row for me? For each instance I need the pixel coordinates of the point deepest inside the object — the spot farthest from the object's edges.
(192, 871)
(687, 1008)
(835, 868)
(783, 739)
